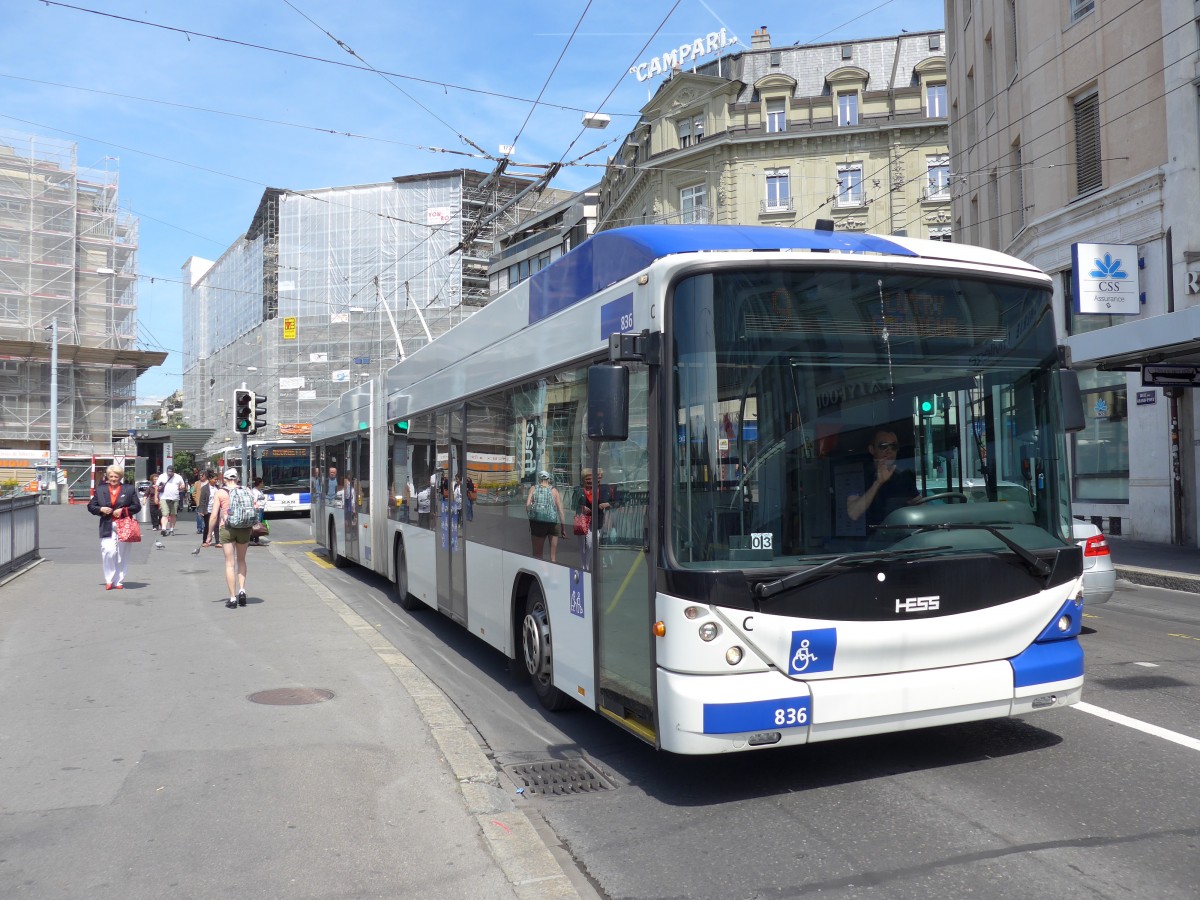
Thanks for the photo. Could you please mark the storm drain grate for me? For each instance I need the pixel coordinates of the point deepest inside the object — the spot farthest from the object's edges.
(297, 696)
(573, 776)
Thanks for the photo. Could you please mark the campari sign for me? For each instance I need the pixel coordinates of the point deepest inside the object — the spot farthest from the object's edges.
(1104, 279)
(713, 42)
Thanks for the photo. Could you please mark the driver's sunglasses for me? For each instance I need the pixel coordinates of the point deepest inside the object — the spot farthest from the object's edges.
(888, 445)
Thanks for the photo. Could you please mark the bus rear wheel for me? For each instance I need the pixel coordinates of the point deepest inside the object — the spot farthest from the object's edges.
(403, 597)
(537, 651)
(339, 561)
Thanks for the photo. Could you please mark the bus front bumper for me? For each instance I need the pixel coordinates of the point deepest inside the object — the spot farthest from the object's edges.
(704, 714)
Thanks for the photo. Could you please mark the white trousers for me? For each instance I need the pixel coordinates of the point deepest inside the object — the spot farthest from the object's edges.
(115, 559)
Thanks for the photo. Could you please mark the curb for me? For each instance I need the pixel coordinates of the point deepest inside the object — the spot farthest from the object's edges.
(512, 839)
(1175, 581)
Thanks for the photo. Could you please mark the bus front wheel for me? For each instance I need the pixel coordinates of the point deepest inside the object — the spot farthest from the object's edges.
(403, 597)
(537, 650)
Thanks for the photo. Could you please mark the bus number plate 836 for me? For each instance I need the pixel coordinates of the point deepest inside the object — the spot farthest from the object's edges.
(757, 715)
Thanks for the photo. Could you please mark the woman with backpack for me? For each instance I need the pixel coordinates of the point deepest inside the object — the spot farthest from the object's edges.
(232, 516)
(545, 509)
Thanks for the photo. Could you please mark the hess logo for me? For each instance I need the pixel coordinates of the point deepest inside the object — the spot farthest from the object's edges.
(918, 604)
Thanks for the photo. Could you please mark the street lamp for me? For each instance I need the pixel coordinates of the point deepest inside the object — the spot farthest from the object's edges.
(53, 328)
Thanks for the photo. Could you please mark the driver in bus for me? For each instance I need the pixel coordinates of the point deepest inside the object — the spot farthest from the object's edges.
(888, 488)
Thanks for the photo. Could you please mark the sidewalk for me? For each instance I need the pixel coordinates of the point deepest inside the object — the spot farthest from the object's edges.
(154, 743)
(1156, 565)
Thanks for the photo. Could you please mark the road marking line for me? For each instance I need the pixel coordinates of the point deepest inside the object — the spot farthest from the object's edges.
(1147, 665)
(1186, 637)
(319, 560)
(284, 543)
(1182, 739)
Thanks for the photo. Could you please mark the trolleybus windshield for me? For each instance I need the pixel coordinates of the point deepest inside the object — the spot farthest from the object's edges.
(784, 381)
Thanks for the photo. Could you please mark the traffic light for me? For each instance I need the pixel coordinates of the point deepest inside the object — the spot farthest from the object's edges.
(400, 427)
(930, 406)
(243, 412)
(260, 414)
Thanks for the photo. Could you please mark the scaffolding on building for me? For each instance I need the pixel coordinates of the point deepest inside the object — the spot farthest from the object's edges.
(67, 255)
(330, 287)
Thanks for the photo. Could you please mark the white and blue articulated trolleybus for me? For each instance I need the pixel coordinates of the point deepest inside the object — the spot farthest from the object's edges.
(712, 408)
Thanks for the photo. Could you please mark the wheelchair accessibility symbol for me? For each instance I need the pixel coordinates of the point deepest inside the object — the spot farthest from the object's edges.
(813, 651)
(803, 657)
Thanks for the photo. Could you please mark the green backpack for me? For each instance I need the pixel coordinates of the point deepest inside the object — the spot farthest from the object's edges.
(543, 508)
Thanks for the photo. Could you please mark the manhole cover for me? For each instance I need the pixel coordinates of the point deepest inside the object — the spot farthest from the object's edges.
(558, 777)
(291, 696)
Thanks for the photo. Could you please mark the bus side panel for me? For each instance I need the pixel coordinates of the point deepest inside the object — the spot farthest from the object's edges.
(488, 598)
(420, 548)
(568, 595)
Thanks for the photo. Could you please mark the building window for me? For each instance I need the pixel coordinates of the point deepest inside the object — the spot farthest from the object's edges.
(776, 116)
(691, 131)
(779, 192)
(693, 205)
(848, 108)
(850, 185)
(776, 59)
(937, 184)
(685, 133)
(1010, 37)
(935, 101)
(847, 51)
(1080, 8)
(940, 233)
(935, 42)
(1101, 450)
(1018, 189)
(1089, 175)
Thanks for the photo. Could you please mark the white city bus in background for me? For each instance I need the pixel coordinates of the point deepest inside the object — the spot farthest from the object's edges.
(722, 384)
(284, 467)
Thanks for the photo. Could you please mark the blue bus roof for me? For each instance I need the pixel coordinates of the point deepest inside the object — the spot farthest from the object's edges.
(610, 256)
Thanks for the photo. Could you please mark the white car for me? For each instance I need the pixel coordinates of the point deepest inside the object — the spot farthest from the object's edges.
(1099, 576)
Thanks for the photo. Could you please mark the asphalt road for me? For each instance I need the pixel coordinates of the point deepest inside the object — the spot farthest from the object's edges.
(1096, 801)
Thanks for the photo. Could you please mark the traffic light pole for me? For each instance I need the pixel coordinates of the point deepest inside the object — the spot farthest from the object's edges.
(245, 450)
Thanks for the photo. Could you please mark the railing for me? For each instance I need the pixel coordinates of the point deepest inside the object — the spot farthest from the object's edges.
(777, 206)
(18, 532)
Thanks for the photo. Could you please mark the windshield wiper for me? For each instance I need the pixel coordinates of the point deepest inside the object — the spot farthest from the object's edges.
(1037, 566)
(767, 589)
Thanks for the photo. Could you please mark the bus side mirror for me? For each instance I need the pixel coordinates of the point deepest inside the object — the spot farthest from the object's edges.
(608, 403)
(1072, 400)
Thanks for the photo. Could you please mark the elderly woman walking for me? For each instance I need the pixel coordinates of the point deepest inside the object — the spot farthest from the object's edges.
(113, 500)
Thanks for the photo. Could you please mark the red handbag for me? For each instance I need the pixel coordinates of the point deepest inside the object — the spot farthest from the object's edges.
(583, 523)
(127, 529)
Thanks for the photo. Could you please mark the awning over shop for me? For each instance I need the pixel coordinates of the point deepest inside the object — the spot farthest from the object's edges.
(1173, 337)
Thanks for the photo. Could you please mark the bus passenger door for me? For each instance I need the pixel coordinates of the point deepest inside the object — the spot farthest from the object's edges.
(450, 547)
(621, 583)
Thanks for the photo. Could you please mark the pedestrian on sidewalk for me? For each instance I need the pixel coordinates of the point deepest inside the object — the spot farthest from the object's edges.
(170, 486)
(232, 498)
(260, 505)
(113, 500)
(200, 492)
(152, 502)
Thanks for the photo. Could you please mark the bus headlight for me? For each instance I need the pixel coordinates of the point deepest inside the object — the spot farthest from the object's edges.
(733, 655)
(709, 631)
(1064, 623)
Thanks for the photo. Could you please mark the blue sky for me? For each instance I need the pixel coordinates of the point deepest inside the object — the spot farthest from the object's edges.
(199, 127)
